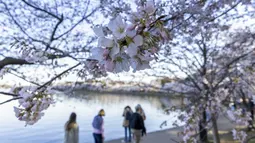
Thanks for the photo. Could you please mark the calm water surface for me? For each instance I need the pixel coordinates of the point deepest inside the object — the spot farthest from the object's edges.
(50, 129)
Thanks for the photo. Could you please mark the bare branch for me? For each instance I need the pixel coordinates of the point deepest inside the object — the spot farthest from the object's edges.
(42, 10)
(13, 61)
(81, 20)
(19, 26)
(59, 75)
(9, 94)
(16, 98)
(24, 78)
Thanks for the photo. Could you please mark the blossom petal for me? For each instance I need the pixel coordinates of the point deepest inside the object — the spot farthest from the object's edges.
(114, 51)
(98, 30)
(119, 21)
(138, 40)
(125, 65)
(134, 63)
(97, 54)
(131, 50)
(143, 66)
(112, 25)
(119, 35)
(118, 67)
(150, 8)
(109, 66)
(131, 33)
(105, 42)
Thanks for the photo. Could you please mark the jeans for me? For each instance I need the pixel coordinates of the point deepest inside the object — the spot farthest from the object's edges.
(98, 138)
(127, 134)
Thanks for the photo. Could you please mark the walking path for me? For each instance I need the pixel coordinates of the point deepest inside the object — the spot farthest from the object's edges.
(171, 135)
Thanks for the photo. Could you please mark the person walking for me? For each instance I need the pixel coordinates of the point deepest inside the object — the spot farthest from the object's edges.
(98, 125)
(137, 124)
(127, 113)
(71, 130)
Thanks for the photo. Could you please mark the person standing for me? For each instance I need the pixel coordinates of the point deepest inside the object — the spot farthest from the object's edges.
(137, 124)
(127, 113)
(141, 111)
(71, 130)
(98, 125)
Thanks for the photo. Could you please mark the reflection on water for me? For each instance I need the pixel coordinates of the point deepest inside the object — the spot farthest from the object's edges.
(50, 128)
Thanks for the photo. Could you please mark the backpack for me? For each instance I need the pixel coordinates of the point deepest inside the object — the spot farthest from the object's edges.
(136, 121)
(97, 122)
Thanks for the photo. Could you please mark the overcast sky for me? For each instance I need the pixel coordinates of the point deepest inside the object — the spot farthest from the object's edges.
(41, 73)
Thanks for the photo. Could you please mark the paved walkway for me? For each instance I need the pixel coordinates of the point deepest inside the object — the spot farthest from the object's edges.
(171, 135)
(157, 137)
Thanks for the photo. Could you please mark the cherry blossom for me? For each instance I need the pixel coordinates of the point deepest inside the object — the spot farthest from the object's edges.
(32, 104)
(130, 43)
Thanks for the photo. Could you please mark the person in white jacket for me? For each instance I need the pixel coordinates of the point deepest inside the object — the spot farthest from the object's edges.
(71, 130)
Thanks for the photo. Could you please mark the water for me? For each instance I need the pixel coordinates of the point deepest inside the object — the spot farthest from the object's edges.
(50, 129)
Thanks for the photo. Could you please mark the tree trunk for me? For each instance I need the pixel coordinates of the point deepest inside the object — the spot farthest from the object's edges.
(202, 129)
(216, 137)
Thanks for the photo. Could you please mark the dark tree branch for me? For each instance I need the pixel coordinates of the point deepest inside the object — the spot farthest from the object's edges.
(13, 61)
(19, 26)
(24, 78)
(42, 10)
(228, 65)
(81, 20)
(56, 27)
(52, 37)
(59, 75)
(9, 94)
(225, 12)
(16, 98)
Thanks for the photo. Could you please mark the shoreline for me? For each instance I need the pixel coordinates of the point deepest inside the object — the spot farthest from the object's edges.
(117, 92)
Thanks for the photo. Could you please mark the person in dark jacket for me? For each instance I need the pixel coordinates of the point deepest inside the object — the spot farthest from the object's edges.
(127, 114)
(137, 125)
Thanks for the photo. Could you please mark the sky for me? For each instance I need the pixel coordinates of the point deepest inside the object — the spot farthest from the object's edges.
(41, 73)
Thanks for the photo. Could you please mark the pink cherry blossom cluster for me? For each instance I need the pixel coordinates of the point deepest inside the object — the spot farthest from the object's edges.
(94, 68)
(32, 104)
(129, 43)
(30, 53)
(239, 135)
(190, 126)
(238, 117)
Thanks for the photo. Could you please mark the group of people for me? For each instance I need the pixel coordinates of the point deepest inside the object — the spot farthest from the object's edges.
(133, 124)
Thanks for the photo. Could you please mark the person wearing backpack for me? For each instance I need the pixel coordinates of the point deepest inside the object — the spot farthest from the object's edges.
(98, 124)
(137, 125)
(127, 114)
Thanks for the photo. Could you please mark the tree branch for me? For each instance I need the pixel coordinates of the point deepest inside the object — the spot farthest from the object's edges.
(59, 75)
(82, 19)
(19, 26)
(9, 94)
(13, 61)
(16, 98)
(225, 12)
(42, 10)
